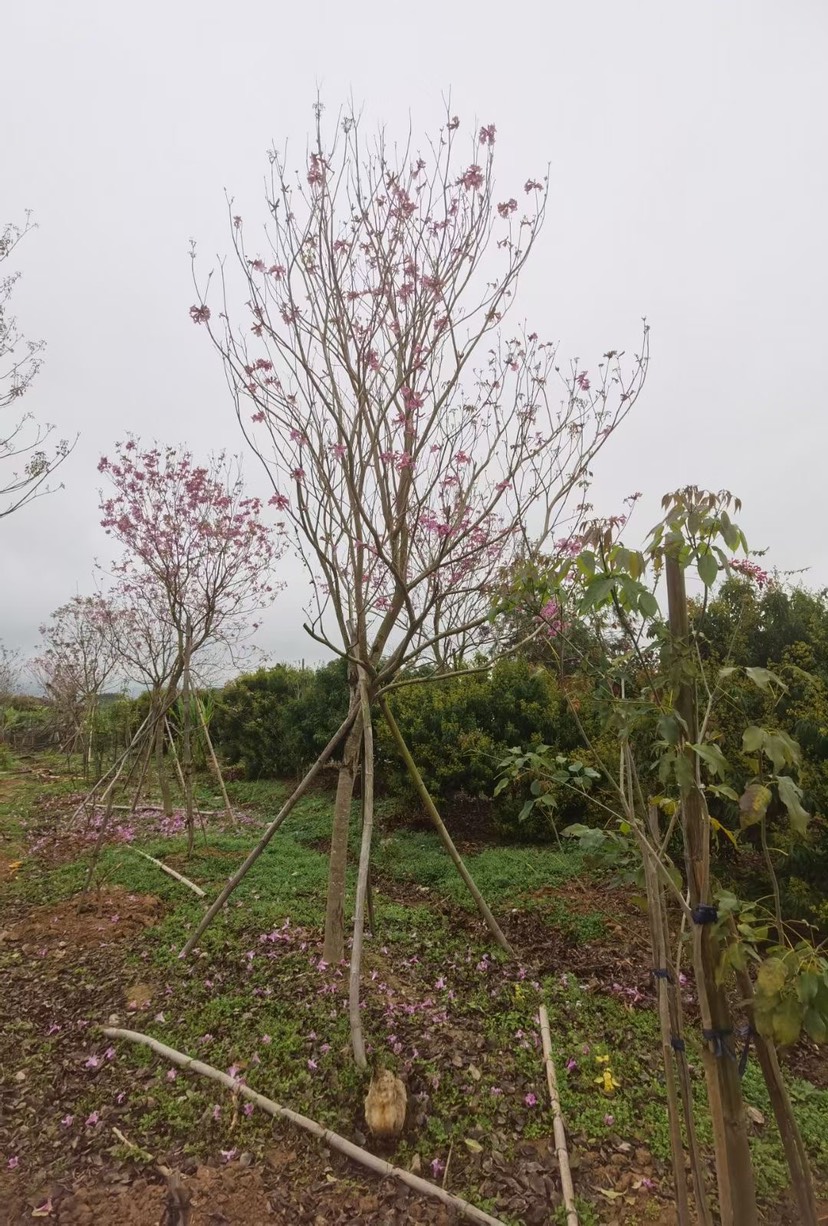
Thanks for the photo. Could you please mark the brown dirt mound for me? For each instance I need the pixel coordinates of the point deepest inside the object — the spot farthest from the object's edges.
(231, 1195)
(99, 918)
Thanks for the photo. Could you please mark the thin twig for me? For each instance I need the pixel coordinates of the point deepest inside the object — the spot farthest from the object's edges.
(333, 1139)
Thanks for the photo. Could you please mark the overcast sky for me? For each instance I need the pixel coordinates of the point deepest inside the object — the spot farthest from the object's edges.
(688, 183)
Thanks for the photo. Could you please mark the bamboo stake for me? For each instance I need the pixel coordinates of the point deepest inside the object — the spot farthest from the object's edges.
(445, 837)
(333, 1139)
(215, 762)
(562, 1152)
(166, 868)
(183, 783)
(283, 813)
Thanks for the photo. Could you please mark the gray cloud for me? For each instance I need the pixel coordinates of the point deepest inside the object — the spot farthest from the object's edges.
(688, 183)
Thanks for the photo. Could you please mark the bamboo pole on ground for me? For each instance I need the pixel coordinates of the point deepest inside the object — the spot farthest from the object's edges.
(333, 1139)
(567, 1187)
(171, 871)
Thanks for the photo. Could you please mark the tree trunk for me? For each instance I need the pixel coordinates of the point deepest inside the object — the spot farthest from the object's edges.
(163, 780)
(734, 1169)
(187, 749)
(333, 950)
(354, 1011)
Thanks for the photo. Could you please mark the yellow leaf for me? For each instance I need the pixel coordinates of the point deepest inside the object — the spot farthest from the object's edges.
(720, 829)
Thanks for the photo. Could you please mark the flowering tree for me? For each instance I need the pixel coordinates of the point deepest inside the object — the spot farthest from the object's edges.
(414, 447)
(196, 567)
(79, 658)
(26, 462)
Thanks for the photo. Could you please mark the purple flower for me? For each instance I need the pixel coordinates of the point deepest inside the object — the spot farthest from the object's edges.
(68, 1121)
(312, 1065)
(571, 1064)
(530, 1099)
(110, 1053)
(437, 1167)
(609, 1120)
(248, 1108)
(119, 1098)
(53, 1029)
(92, 1062)
(171, 1074)
(228, 1154)
(92, 1119)
(14, 1161)
(495, 1090)
(266, 1038)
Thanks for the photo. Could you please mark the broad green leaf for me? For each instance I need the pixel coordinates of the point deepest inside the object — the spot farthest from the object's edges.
(668, 729)
(787, 1021)
(597, 591)
(815, 1025)
(722, 789)
(708, 569)
(807, 986)
(647, 604)
(762, 677)
(712, 757)
(781, 750)
(790, 796)
(526, 810)
(684, 772)
(753, 739)
(771, 977)
(753, 804)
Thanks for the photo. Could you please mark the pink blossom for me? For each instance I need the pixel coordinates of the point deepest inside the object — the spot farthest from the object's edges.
(216, 1112)
(249, 1108)
(110, 1053)
(437, 1167)
(487, 135)
(532, 185)
(277, 271)
(472, 179)
(507, 207)
(571, 1064)
(750, 570)
(93, 1119)
(530, 1099)
(13, 1162)
(266, 1039)
(609, 1120)
(312, 1065)
(582, 381)
(228, 1154)
(200, 314)
(171, 1074)
(279, 501)
(92, 1062)
(68, 1121)
(298, 474)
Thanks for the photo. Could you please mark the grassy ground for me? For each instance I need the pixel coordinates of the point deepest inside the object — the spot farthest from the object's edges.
(441, 1008)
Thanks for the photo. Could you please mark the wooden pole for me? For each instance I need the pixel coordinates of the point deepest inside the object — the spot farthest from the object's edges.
(561, 1150)
(445, 837)
(736, 1183)
(283, 813)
